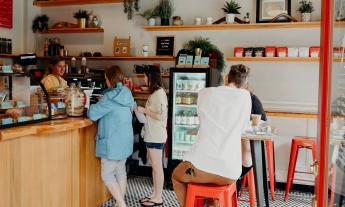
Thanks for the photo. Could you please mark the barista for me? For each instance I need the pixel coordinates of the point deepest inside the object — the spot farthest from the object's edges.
(54, 73)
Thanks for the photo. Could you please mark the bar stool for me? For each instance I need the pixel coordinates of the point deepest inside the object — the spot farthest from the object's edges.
(271, 169)
(249, 177)
(298, 143)
(226, 194)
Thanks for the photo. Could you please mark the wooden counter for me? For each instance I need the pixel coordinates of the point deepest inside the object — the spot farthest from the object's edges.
(51, 164)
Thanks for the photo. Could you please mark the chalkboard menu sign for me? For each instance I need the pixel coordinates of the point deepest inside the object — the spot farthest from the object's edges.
(165, 46)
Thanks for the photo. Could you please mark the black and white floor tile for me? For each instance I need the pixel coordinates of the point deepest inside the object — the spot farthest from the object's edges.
(139, 187)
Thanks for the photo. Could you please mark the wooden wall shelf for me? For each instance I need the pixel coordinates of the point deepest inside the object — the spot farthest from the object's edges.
(131, 58)
(142, 75)
(72, 2)
(235, 26)
(74, 30)
(291, 114)
(276, 59)
(149, 58)
(8, 56)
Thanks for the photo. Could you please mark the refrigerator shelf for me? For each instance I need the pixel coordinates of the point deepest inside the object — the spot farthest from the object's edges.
(186, 126)
(186, 105)
(183, 142)
(186, 91)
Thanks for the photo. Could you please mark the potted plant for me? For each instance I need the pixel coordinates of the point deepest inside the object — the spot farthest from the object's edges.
(129, 7)
(231, 9)
(164, 10)
(150, 16)
(81, 16)
(306, 8)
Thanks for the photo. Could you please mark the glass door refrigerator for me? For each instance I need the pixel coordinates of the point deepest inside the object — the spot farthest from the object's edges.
(185, 84)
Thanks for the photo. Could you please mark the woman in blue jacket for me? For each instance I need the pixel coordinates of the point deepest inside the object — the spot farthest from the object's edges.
(114, 143)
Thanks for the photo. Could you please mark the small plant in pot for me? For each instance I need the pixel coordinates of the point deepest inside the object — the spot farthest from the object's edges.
(150, 15)
(231, 9)
(164, 10)
(306, 8)
(82, 16)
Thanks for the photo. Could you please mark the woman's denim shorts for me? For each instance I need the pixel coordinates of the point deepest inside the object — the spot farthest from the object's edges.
(151, 145)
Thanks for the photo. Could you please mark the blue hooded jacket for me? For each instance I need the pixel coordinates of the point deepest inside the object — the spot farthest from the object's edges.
(115, 137)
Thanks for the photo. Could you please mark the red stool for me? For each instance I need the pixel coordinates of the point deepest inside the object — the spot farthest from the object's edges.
(226, 195)
(271, 166)
(271, 169)
(297, 143)
(249, 177)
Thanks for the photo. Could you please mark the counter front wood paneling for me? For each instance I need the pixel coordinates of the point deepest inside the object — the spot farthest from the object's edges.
(51, 164)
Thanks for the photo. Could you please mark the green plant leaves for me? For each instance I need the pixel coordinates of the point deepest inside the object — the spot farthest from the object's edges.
(231, 7)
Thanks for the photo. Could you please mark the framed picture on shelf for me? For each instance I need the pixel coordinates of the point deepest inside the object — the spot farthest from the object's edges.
(122, 47)
(266, 10)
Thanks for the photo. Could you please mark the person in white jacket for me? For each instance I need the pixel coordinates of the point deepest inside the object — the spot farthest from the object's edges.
(216, 156)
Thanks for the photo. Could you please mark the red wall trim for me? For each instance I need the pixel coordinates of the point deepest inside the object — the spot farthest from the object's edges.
(321, 189)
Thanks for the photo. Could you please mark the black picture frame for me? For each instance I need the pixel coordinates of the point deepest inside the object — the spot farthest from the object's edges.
(165, 45)
(262, 10)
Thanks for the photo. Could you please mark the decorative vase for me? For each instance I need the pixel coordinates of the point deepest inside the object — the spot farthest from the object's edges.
(82, 23)
(197, 51)
(75, 101)
(165, 22)
(306, 17)
(151, 22)
(230, 18)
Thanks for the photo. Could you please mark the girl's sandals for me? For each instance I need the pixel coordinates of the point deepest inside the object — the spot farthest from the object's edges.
(143, 200)
(151, 203)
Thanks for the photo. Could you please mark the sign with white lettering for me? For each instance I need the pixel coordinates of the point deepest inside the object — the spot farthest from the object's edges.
(165, 46)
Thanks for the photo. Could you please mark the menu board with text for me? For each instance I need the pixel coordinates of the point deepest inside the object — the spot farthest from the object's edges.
(165, 46)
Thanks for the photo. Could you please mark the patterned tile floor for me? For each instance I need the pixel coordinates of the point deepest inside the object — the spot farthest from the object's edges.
(139, 187)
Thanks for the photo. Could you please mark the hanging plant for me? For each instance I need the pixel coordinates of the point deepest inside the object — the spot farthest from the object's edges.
(207, 47)
(129, 7)
(40, 23)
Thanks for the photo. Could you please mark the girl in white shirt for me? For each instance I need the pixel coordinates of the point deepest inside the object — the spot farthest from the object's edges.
(155, 135)
(216, 156)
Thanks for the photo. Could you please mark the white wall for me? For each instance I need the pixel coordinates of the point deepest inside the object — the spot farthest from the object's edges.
(281, 86)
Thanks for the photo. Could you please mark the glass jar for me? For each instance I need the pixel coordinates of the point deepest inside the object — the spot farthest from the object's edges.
(194, 98)
(75, 101)
(184, 98)
(179, 84)
(57, 103)
(184, 118)
(196, 119)
(189, 99)
(190, 118)
(178, 118)
(185, 84)
(178, 98)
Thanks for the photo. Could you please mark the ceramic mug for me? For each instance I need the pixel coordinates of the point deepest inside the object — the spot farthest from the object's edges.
(209, 20)
(198, 21)
(145, 50)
